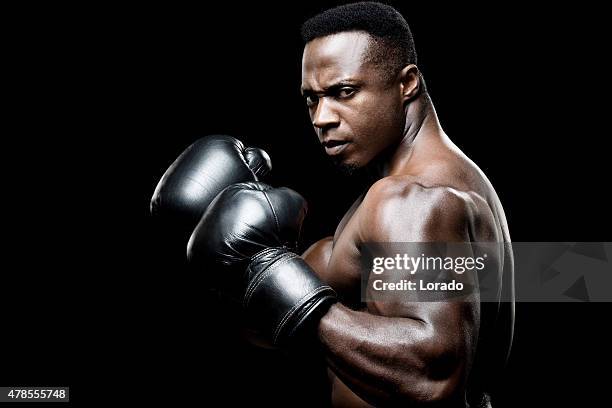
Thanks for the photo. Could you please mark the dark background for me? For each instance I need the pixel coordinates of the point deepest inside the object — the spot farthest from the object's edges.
(103, 101)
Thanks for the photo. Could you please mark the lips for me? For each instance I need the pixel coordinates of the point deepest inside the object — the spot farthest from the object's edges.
(334, 147)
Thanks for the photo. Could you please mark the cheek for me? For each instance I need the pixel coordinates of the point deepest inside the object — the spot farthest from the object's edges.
(391, 108)
(374, 126)
(383, 120)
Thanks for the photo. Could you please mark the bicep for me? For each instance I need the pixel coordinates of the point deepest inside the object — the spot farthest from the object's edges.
(423, 224)
(439, 297)
(453, 323)
(318, 254)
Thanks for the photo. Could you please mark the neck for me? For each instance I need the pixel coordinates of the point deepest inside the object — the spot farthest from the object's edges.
(421, 123)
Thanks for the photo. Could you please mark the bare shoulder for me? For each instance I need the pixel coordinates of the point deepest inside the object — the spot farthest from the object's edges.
(405, 208)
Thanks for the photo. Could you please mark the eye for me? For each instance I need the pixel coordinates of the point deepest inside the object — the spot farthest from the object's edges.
(311, 100)
(346, 92)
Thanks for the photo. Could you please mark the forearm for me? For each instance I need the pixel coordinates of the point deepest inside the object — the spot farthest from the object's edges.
(387, 360)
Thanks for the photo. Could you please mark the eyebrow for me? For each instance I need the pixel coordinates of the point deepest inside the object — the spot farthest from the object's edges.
(333, 87)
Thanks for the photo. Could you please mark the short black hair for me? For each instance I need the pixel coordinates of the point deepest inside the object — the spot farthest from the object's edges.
(394, 46)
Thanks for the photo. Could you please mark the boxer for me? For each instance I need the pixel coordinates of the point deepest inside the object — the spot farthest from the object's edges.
(370, 109)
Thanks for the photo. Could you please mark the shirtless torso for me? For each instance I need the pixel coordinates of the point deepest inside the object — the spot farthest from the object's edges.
(437, 176)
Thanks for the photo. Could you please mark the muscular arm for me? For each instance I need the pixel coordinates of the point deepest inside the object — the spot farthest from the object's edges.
(405, 351)
(318, 254)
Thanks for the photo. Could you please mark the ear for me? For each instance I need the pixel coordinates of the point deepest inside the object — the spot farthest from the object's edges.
(410, 82)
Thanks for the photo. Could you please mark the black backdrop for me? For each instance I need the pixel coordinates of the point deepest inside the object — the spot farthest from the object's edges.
(106, 98)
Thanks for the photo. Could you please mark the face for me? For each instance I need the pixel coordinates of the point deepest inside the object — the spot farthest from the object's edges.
(355, 112)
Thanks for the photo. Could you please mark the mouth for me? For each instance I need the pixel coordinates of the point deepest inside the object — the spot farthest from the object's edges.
(334, 147)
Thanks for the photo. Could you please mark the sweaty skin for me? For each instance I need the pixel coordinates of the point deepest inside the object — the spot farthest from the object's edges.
(424, 189)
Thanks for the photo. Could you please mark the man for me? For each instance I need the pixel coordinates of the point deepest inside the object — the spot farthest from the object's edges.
(370, 108)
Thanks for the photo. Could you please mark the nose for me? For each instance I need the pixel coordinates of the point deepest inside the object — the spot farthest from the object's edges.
(325, 116)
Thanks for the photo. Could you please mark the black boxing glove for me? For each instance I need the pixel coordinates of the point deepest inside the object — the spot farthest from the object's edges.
(201, 172)
(243, 244)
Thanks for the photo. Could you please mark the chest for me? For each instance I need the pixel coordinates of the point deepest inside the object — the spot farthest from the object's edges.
(344, 268)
